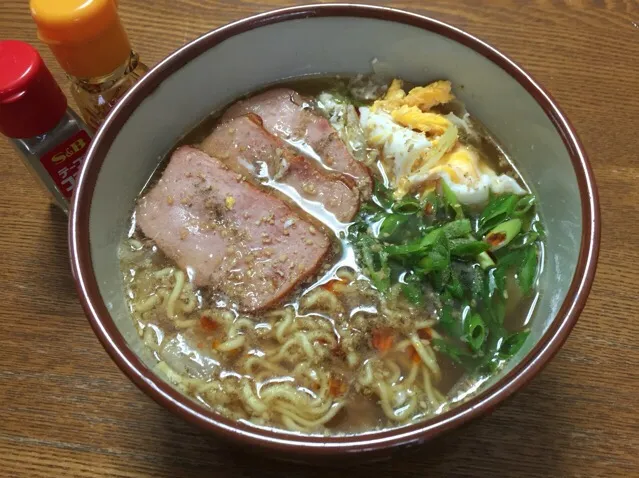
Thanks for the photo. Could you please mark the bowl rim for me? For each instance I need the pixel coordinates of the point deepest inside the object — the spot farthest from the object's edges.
(280, 440)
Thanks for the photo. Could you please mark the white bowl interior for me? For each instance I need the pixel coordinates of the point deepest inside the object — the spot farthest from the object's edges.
(337, 45)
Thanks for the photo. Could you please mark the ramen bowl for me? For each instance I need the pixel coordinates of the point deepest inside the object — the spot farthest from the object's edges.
(222, 65)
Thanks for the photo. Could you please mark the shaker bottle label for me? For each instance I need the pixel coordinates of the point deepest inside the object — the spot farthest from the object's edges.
(64, 161)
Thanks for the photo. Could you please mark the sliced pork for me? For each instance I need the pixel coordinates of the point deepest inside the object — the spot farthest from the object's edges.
(227, 233)
(285, 113)
(245, 146)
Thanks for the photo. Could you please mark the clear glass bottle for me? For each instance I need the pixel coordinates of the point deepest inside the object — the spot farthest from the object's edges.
(89, 41)
(97, 96)
(49, 137)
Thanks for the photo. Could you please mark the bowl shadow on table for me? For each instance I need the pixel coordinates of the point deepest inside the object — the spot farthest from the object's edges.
(60, 230)
(47, 266)
(517, 439)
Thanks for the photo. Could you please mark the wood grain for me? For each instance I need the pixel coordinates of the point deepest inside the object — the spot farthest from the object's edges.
(65, 409)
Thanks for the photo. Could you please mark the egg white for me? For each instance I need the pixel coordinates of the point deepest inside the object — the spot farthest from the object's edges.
(461, 168)
(401, 145)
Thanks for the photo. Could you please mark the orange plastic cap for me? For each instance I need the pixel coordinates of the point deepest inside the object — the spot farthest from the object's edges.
(86, 36)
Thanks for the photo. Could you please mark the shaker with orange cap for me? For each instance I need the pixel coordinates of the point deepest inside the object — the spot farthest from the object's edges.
(89, 42)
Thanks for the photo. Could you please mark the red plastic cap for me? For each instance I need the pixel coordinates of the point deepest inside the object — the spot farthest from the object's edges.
(31, 102)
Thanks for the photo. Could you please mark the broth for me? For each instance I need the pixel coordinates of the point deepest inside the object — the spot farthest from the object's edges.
(365, 342)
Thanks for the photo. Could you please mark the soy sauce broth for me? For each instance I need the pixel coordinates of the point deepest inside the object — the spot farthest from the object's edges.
(363, 344)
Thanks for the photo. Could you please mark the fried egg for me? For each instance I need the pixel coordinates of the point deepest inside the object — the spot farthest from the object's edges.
(470, 178)
(400, 146)
(416, 159)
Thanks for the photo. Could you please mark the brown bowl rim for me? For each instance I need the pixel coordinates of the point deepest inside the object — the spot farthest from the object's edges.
(282, 441)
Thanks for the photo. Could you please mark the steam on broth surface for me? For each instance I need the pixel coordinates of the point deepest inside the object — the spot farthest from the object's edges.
(334, 256)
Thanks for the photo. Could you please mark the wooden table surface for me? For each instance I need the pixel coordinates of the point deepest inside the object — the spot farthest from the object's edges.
(67, 411)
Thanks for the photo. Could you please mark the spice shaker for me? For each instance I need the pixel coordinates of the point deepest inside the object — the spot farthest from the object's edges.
(88, 40)
(51, 139)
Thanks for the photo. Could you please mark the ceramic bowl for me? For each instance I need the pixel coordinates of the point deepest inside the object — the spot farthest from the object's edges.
(213, 70)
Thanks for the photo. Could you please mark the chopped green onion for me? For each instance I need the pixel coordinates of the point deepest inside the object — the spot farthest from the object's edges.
(467, 247)
(428, 243)
(485, 261)
(455, 286)
(523, 240)
(477, 283)
(494, 310)
(439, 278)
(457, 228)
(448, 321)
(451, 200)
(475, 331)
(392, 225)
(537, 226)
(523, 205)
(382, 196)
(369, 208)
(415, 247)
(405, 250)
(436, 260)
(407, 205)
(431, 204)
(502, 234)
(512, 344)
(448, 349)
(498, 210)
(438, 254)
(376, 263)
(527, 270)
(413, 289)
(381, 279)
